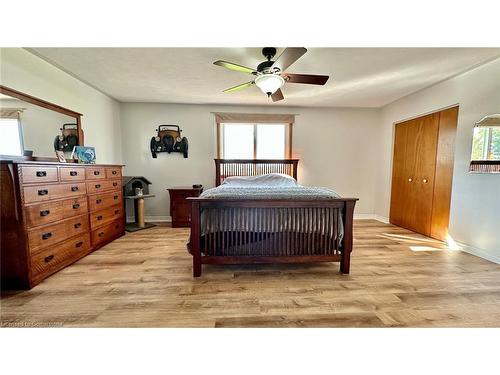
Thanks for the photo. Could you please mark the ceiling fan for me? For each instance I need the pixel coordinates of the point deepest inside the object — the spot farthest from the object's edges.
(271, 75)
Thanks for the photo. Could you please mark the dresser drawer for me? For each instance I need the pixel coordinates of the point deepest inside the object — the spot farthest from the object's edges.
(43, 193)
(53, 233)
(72, 174)
(104, 200)
(95, 173)
(74, 206)
(107, 232)
(42, 174)
(50, 260)
(51, 211)
(114, 172)
(103, 217)
(106, 185)
(44, 213)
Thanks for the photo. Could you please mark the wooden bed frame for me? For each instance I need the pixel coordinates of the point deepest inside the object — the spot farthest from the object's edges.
(279, 245)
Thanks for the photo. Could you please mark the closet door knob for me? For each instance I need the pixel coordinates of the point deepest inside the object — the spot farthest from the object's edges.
(425, 180)
(410, 179)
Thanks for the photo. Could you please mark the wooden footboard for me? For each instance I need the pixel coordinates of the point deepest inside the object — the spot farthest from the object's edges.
(244, 231)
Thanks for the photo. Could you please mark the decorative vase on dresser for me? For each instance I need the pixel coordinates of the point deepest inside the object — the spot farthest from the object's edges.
(180, 208)
(53, 214)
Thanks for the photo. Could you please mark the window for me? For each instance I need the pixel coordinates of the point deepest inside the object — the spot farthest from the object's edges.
(486, 143)
(10, 137)
(485, 155)
(254, 141)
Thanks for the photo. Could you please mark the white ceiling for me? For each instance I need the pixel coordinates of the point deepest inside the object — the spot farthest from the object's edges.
(359, 77)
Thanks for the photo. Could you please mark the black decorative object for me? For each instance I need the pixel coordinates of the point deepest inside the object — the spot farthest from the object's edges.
(169, 140)
(68, 138)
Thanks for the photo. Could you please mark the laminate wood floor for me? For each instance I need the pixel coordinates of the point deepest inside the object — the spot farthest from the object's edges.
(398, 279)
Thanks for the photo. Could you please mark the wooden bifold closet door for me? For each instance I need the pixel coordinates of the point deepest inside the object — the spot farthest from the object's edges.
(422, 173)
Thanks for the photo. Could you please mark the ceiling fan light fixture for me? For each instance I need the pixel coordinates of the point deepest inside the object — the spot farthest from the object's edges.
(269, 83)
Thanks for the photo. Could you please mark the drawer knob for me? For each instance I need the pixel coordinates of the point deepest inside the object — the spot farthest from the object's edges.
(115, 197)
(97, 186)
(116, 211)
(101, 234)
(73, 173)
(78, 225)
(98, 201)
(46, 236)
(44, 212)
(76, 206)
(74, 188)
(43, 192)
(114, 172)
(49, 258)
(99, 217)
(79, 244)
(115, 183)
(96, 173)
(41, 174)
(117, 226)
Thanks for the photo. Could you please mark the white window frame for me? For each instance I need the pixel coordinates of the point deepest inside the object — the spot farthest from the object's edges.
(221, 138)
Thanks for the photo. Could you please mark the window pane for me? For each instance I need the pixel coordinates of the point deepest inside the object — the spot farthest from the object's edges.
(495, 143)
(10, 139)
(270, 141)
(238, 141)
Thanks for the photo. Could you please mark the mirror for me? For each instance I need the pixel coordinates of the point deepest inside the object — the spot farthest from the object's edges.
(485, 156)
(33, 127)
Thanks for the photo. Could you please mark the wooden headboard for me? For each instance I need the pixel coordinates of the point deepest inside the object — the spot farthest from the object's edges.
(253, 167)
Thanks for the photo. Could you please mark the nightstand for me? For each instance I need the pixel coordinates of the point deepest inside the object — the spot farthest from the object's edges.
(180, 208)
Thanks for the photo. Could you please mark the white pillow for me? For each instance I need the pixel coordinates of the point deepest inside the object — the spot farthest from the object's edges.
(265, 180)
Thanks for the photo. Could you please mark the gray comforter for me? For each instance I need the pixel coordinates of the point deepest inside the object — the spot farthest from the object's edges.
(210, 222)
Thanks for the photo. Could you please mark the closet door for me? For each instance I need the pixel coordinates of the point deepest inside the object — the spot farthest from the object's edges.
(413, 173)
(444, 173)
(422, 173)
(425, 134)
(400, 184)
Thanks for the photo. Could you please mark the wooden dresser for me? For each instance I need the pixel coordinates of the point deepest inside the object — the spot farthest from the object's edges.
(180, 208)
(53, 214)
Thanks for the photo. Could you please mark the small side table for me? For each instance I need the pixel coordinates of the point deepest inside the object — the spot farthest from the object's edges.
(138, 213)
(180, 208)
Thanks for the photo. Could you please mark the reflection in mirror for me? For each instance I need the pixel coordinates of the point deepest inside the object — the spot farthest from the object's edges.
(485, 157)
(27, 127)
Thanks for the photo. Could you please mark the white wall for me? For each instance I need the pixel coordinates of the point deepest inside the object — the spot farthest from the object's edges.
(336, 148)
(475, 202)
(23, 71)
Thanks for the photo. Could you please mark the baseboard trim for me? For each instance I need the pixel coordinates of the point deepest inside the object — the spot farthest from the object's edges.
(152, 219)
(371, 217)
(481, 253)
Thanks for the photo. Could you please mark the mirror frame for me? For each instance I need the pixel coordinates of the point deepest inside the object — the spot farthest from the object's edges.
(45, 104)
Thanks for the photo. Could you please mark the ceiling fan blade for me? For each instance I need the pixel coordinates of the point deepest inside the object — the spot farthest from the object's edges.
(310, 79)
(288, 57)
(235, 67)
(239, 87)
(277, 96)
